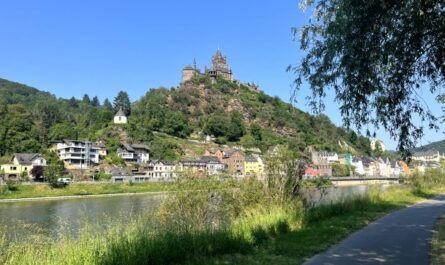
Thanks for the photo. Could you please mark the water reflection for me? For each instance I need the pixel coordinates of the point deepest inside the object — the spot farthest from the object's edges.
(67, 215)
(62, 216)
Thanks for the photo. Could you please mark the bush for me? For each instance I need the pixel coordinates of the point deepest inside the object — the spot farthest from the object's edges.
(13, 184)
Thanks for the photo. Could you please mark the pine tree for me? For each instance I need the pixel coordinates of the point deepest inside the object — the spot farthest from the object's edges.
(122, 101)
(95, 102)
(86, 99)
(107, 105)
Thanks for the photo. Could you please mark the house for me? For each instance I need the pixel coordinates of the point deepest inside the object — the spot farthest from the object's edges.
(358, 164)
(254, 166)
(345, 159)
(22, 163)
(371, 167)
(214, 165)
(310, 172)
(102, 149)
(235, 162)
(215, 153)
(196, 168)
(134, 153)
(427, 156)
(330, 157)
(321, 163)
(324, 169)
(77, 154)
(396, 169)
(384, 167)
(162, 169)
(120, 117)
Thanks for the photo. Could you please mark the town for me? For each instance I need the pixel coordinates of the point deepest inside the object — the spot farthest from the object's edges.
(85, 160)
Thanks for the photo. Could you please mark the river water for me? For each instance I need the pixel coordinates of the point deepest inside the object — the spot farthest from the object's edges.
(53, 216)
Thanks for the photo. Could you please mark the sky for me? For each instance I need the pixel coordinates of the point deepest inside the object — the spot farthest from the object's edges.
(99, 47)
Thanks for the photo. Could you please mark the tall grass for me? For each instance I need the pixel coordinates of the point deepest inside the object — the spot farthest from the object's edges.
(193, 226)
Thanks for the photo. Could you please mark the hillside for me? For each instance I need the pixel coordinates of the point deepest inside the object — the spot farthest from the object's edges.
(233, 113)
(438, 146)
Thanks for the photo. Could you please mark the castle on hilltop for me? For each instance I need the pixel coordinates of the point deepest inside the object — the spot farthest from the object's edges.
(219, 68)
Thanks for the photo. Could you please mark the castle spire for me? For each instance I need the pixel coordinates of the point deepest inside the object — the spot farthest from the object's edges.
(194, 63)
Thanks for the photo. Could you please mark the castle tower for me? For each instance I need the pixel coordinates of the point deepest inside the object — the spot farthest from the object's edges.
(220, 66)
(189, 71)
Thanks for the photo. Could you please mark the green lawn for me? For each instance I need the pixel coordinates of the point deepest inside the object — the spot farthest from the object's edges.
(35, 191)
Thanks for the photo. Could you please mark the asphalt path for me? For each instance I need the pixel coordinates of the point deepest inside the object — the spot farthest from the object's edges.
(402, 237)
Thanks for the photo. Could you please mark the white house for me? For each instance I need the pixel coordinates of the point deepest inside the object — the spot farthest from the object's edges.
(396, 169)
(330, 157)
(134, 153)
(214, 166)
(162, 169)
(77, 154)
(358, 164)
(427, 156)
(120, 117)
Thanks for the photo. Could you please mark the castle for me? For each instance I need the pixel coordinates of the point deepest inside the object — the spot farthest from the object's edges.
(219, 68)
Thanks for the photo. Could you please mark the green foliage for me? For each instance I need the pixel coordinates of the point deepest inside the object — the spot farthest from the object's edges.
(13, 184)
(30, 118)
(285, 173)
(122, 100)
(114, 159)
(340, 170)
(431, 178)
(102, 176)
(375, 63)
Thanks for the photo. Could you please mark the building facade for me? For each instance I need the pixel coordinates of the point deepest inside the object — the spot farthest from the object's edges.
(22, 163)
(120, 117)
(134, 153)
(77, 154)
(214, 165)
(220, 68)
(234, 159)
(254, 166)
(162, 170)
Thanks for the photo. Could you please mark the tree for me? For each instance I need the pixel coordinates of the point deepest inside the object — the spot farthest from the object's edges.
(73, 102)
(95, 102)
(38, 172)
(122, 101)
(377, 56)
(86, 99)
(236, 128)
(256, 132)
(107, 105)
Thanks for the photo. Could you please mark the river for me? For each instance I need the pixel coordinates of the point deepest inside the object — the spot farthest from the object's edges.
(55, 216)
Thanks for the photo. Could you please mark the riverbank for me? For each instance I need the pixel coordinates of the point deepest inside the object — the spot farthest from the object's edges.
(78, 190)
(260, 231)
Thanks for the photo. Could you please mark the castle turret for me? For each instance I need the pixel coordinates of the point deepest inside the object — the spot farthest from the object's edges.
(189, 71)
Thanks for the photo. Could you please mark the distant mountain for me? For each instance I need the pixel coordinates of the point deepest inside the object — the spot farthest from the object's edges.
(438, 146)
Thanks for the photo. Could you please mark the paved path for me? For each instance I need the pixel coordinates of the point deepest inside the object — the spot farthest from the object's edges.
(401, 238)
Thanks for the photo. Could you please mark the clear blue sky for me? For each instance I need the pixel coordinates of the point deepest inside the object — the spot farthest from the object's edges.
(70, 48)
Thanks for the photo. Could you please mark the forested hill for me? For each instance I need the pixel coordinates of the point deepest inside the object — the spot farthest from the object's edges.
(437, 146)
(233, 113)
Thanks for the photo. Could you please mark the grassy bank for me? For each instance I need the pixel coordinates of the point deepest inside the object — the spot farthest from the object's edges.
(438, 242)
(37, 191)
(238, 227)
